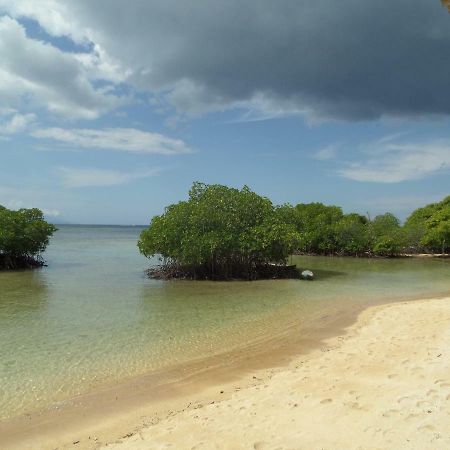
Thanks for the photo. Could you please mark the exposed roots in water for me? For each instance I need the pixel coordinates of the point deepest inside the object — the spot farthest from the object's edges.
(9, 262)
(171, 270)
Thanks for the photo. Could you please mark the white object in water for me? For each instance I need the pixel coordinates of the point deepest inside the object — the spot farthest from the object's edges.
(307, 275)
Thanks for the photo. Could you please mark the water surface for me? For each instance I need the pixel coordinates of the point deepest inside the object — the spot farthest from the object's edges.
(92, 316)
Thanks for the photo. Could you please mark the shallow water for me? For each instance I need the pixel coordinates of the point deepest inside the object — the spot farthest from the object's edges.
(92, 316)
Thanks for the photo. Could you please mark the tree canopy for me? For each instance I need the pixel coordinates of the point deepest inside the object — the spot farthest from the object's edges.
(24, 235)
(327, 230)
(428, 228)
(220, 233)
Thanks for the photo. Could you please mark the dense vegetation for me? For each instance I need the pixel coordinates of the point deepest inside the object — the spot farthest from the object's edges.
(327, 230)
(221, 233)
(428, 228)
(24, 235)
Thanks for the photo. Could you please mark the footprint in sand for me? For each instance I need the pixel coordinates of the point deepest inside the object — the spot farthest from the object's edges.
(372, 430)
(423, 404)
(412, 416)
(355, 405)
(402, 400)
(426, 427)
(326, 400)
(198, 446)
(259, 445)
(390, 412)
(432, 393)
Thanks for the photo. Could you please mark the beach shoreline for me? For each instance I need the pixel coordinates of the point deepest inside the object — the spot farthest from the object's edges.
(385, 383)
(120, 413)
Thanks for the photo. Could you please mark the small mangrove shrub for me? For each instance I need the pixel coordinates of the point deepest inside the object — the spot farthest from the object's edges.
(220, 233)
(24, 235)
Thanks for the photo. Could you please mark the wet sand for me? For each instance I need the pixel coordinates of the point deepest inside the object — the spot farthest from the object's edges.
(381, 382)
(384, 384)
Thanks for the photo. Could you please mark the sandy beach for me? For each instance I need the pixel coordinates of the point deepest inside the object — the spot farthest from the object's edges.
(385, 384)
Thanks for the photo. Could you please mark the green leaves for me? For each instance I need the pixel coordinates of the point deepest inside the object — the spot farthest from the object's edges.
(220, 230)
(23, 233)
(316, 222)
(428, 228)
(351, 235)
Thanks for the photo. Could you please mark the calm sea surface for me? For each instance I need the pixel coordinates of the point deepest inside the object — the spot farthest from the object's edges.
(92, 316)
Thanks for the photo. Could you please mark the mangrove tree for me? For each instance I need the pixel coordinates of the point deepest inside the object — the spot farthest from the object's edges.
(24, 235)
(220, 233)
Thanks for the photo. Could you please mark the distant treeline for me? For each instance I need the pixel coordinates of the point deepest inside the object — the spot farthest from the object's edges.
(24, 235)
(327, 230)
(222, 233)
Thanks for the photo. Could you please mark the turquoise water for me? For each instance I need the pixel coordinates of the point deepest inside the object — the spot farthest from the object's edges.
(92, 316)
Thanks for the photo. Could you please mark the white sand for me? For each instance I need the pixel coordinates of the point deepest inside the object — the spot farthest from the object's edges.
(384, 385)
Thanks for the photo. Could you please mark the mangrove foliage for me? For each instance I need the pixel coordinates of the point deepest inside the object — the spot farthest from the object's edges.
(24, 235)
(428, 228)
(220, 233)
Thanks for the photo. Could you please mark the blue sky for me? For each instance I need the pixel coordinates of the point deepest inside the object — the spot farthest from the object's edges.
(109, 111)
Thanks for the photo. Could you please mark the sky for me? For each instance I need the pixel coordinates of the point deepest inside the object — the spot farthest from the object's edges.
(109, 110)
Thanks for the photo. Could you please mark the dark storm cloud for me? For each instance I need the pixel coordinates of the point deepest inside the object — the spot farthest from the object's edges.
(348, 59)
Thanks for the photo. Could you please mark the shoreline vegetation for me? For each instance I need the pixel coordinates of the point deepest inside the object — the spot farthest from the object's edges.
(222, 233)
(400, 255)
(24, 236)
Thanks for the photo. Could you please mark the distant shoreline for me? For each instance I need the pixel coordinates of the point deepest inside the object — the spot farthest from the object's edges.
(105, 225)
(401, 255)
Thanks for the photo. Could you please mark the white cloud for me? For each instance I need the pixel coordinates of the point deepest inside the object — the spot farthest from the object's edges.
(98, 65)
(389, 162)
(122, 139)
(16, 123)
(390, 138)
(38, 74)
(265, 106)
(326, 153)
(16, 198)
(91, 177)
(53, 15)
(51, 212)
